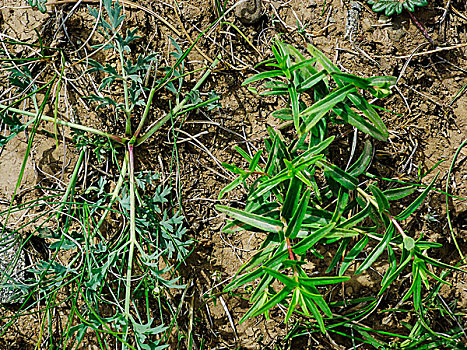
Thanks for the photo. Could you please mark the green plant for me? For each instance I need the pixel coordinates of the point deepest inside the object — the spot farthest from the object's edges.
(391, 7)
(110, 276)
(395, 6)
(304, 206)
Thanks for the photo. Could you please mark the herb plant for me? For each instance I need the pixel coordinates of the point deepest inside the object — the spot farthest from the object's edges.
(304, 205)
(112, 274)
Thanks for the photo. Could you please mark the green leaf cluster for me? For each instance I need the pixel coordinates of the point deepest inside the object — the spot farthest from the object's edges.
(395, 6)
(304, 205)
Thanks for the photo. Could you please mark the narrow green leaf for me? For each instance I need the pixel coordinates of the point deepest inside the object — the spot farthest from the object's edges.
(314, 113)
(306, 243)
(293, 304)
(284, 114)
(391, 277)
(289, 282)
(312, 81)
(235, 183)
(353, 118)
(263, 284)
(342, 201)
(254, 162)
(263, 75)
(352, 79)
(417, 202)
(292, 198)
(314, 294)
(322, 281)
(399, 193)
(354, 220)
(302, 64)
(257, 259)
(295, 223)
(377, 251)
(342, 177)
(276, 299)
(295, 109)
(270, 184)
(392, 264)
(258, 221)
(373, 116)
(437, 263)
(243, 279)
(259, 303)
(314, 310)
(325, 62)
(383, 203)
(363, 162)
(338, 256)
(350, 257)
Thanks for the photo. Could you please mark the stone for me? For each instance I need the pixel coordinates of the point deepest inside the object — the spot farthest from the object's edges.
(249, 11)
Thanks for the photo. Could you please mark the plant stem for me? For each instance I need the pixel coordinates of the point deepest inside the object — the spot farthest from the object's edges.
(71, 185)
(448, 216)
(289, 248)
(115, 193)
(125, 92)
(421, 28)
(132, 233)
(121, 140)
(156, 125)
(145, 114)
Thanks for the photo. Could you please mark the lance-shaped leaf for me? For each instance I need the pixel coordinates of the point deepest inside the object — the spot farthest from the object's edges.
(312, 81)
(295, 109)
(234, 184)
(314, 310)
(295, 223)
(353, 118)
(289, 282)
(377, 251)
(314, 113)
(417, 202)
(296, 298)
(383, 203)
(350, 257)
(263, 223)
(292, 198)
(342, 177)
(399, 193)
(284, 114)
(256, 306)
(276, 299)
(391, 277)
(338, 256)
(306, 243)
(361, 83)
(363, 162)
(263, 75)
(322, 281)
(354, 220)
(302, 64)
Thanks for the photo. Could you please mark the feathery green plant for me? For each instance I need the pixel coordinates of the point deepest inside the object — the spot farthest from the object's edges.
(111, 277)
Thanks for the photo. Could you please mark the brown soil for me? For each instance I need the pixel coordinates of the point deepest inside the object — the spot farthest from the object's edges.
(430, 125)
